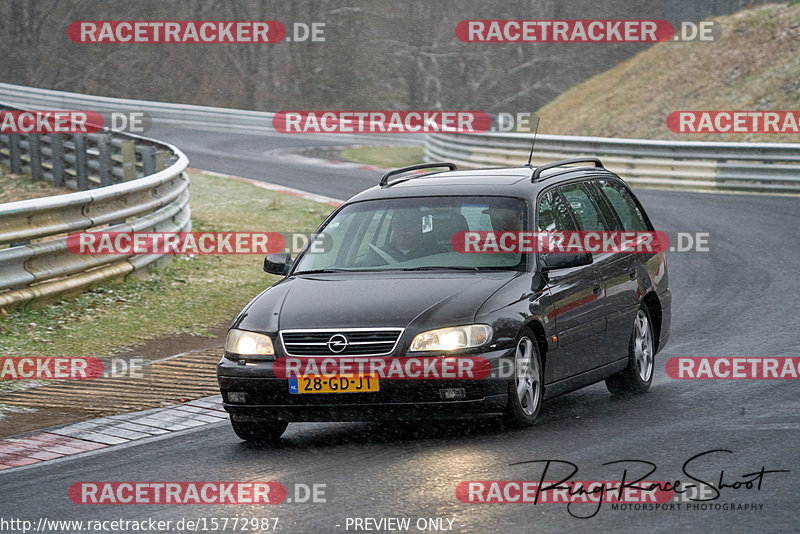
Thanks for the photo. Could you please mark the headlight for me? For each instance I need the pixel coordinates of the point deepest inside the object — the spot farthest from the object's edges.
(243, 343)
(452, 338)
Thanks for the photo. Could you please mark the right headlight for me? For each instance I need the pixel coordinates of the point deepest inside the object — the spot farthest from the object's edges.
(248, 344)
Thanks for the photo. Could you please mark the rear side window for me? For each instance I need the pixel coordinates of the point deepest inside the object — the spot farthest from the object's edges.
(583, 206)
(625, 205)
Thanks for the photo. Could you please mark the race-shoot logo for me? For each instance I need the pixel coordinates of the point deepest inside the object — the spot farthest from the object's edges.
(636, 489)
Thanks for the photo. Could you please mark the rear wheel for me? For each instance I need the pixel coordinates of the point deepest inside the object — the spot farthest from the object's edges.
(259, 430)
(525, 390)
(638, 375)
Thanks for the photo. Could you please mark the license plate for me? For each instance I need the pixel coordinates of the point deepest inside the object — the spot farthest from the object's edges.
(333, 384)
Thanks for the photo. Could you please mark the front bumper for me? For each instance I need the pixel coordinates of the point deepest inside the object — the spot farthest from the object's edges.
(267, 397)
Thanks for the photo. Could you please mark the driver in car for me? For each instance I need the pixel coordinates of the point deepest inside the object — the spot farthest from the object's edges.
(505, 219)
(409, 239)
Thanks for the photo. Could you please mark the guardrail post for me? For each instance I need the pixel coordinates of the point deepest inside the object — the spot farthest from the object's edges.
(128, 150)
(35, 147)
(161, 160)
(81, 165)
(15, 161)
(149, 160)
(104, 159)
(57, 159)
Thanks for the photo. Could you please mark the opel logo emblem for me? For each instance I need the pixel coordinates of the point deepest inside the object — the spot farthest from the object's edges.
(337, 343)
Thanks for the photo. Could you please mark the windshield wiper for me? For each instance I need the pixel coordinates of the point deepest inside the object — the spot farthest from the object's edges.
(441, 267)
(322, 271)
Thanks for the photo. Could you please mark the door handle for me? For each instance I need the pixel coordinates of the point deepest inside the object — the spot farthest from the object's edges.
(597, 290)
(632, 275)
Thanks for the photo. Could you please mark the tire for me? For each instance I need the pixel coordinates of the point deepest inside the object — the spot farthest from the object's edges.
(525, 389)
(638, 375)
(266, 431)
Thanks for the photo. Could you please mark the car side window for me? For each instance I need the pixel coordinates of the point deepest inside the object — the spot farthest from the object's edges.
(553, 214)
(625, 205)
(583, 206)
(606, 211)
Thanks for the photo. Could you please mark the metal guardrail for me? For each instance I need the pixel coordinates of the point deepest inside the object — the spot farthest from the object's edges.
(162, 112)
(126, 183)
(767, 167)
(185, 115)
(763, 167)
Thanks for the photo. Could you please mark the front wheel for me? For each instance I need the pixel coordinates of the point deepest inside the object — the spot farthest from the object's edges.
(259, 430)
(525, 390)
(638, 375)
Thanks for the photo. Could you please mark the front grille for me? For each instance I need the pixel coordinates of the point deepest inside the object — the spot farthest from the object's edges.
(356, 342)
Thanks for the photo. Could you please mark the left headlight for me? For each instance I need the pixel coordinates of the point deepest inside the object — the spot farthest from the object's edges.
(244, 343)
(452, 338)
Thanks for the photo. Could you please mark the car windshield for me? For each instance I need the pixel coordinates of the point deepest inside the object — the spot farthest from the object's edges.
(416, 234)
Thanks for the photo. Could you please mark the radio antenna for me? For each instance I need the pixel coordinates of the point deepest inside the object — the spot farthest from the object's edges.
(533, 141)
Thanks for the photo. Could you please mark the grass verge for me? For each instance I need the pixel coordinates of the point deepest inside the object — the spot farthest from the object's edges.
(15, 187)
(386, 156)
(187, 296)
(753, 65)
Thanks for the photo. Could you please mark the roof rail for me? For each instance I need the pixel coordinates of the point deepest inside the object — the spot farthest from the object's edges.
(538, 171)
(417, 167)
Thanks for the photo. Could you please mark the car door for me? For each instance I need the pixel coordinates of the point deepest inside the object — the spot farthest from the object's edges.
(622, 284)
(617, 271)
(576, 292)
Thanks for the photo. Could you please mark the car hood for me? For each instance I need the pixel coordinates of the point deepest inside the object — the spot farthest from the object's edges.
(349, 300)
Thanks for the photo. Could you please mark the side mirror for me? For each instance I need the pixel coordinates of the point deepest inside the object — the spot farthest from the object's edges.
(278, 263)
(554, 261)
